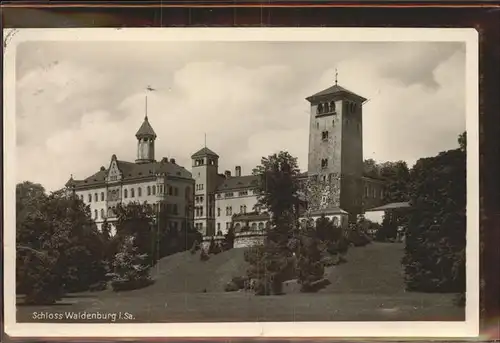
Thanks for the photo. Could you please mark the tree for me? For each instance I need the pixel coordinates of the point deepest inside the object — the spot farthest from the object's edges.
(131, 268)
(371, 168)
(435, 243)
(273, 262)
(137, 220)
(310, 267)
(58, 246)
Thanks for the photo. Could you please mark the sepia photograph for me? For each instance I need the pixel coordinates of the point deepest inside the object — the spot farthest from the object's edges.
(241, 182)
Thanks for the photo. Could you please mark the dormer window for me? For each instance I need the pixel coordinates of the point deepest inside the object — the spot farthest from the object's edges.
(326, 108)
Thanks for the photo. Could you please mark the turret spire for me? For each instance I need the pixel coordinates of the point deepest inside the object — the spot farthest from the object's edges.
(336, 76)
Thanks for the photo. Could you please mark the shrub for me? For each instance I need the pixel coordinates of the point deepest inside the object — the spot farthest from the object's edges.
(231, 287)
(195, 247)
(240, 281)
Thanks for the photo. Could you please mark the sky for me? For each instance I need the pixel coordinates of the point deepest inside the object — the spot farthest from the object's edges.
(80, 102)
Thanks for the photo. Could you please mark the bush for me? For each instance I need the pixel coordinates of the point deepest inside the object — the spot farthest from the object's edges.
(240, 281)
(231, 287)
(211, 246)
(357, 237)
(195, 247)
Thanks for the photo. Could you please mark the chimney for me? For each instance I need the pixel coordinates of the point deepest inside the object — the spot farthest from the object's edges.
(227, 173)
(237, 171)
(172, 160)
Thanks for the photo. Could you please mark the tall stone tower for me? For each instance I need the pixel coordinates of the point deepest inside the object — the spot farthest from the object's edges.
(146, 137)
(335, 163)
(205, 174)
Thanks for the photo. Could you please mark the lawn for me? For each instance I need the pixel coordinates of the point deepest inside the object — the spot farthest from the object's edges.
(369, 287)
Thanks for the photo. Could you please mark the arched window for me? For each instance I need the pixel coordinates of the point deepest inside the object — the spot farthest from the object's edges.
(319, 109)
(96, 197)
(332, 106)
(90, 197)
(102, 196)
(237, 228)
(102, 213)
(326, 108)
(125, 193)
(95, 214)
(149, 190)
(244, 208)
(154, 190)
(254, 226)
(139, 191)
(132, 193)
(261, 226)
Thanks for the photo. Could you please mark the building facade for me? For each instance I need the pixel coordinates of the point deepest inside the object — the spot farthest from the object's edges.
(145, 181)
(334, 184)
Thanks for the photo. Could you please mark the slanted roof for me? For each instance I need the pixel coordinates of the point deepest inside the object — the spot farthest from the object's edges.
(390, 206)
(335, 89)
(132, 170)
(146, 130)
(238, 182)
(328, 211)
(204, 152)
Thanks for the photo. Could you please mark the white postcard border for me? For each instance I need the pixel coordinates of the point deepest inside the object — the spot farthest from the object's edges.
(469, 328)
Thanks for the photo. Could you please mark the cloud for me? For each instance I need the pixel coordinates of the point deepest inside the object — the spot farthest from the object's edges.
(82, 101)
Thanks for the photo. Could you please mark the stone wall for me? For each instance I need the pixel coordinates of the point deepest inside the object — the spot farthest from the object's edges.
(248, 239)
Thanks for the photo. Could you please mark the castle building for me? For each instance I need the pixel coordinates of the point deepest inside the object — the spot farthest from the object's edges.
(145, 181)
(334, 184)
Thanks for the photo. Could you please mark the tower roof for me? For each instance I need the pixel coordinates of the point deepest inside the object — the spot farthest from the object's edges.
(204, 152)
(333, 90)
(146, 130)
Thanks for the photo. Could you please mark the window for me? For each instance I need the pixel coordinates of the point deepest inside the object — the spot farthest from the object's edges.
(187, 193)
(175, 210)
(317, 125)
(218, 226)
(102, 213)
(319, 109)
(227, 225)
(218, 211)
(243, 193)
(81, 197)
(241, 209)
(90, 197)
(153, 188)
(96, 197)
(254, 226)
(125, 193)
(324, 163)
(110, 212)
(326, 108)
(229, 211)
(149, 190)
(261, 226)
(139, 191)
(170, 190)
(332, 106)
(244, 208)
(201, 211)
(102, 196)
(176, 191)
(324, 135)
(132, 193)
(95, 214)
(229, 195)
(219, 196)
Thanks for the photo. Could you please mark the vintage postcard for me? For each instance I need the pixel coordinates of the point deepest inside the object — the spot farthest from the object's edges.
(241, 182)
